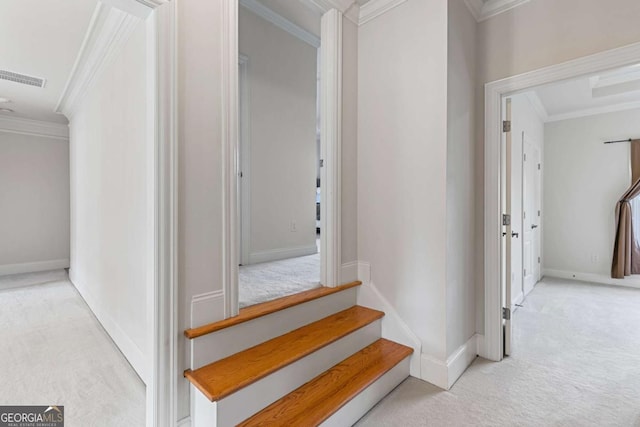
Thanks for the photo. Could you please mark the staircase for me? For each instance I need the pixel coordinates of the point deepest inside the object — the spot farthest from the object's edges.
(310, 359)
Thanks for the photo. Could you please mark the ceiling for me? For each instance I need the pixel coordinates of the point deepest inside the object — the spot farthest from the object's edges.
(41, 38)
(595, 94)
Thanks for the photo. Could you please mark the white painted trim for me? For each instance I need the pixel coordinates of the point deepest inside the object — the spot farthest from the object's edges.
(206, 308)
(444, 374)
(230, 131)
(349, 272)
(364, 272)
(129, 349)
(185, 422)
(374, 8)
(331, 147)
(108, 30)
(32, 267)
(537, 105)
(393, 327)
(281, 22)
(482, 10)
(615, 58)
(30, 127)
(594, 111)
(244, 159)
(162, 394)
(284, 253)
(132, 7)
(602, 279)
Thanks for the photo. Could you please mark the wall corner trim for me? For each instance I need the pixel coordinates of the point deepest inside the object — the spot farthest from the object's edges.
(108, 31)
(444, 373)
(30, 127)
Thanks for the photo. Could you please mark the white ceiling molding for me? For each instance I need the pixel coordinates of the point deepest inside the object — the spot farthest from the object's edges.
(485, 9)
(34, 128)
(537, 105)
(374, 8)
(109, 29)
(349, 8)
(594, 111)
(281, 22)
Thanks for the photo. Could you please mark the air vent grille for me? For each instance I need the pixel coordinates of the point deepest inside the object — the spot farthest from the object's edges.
(22, 78)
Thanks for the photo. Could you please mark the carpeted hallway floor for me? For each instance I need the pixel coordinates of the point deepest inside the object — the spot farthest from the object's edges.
(54, 352)
(576, 363)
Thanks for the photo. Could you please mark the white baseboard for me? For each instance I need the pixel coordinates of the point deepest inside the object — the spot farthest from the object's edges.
(278, 254)
(129, 349)
(207, 308)
(349, 272)
(444, 374)
(32, 267)
(393, 327)
(630, 282)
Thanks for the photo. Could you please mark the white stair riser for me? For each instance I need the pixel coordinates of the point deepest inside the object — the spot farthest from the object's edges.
(218, 345)
(355, 409)
(204, 413)
(251, 399)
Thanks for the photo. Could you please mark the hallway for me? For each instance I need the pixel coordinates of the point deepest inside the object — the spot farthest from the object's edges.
(575, 363)
(54, 351)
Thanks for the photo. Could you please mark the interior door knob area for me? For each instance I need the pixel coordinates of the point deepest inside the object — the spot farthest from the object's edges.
(514, 234)
(534, 226)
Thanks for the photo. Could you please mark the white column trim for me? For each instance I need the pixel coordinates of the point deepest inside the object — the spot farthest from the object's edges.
(331, 147)
(494, 91)
(162, 407)
(230, 132)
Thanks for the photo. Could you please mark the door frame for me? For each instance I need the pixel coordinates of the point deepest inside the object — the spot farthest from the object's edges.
(331, 143)
(244, 161)
(493, 94)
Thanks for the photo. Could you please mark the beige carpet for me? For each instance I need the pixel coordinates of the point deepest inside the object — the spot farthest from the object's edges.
(54, 351)
(270, 280)
(576, 363)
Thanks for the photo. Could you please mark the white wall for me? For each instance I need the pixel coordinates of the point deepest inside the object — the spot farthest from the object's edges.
(524, 120)
(402, 151)
(282, 79)
(461, 151)
(34, 200)
(110, 214)
(583, 180)
(538, 34)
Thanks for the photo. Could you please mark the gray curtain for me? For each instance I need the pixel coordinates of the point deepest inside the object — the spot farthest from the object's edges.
(626, 250)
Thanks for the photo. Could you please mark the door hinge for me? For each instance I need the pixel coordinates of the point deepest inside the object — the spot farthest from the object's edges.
(506, 313)
(321, 163)
(506, 219)
(538, 166)
(506, 126)
(538, 260)
(524, 215)
(524, 157)
(538, 213)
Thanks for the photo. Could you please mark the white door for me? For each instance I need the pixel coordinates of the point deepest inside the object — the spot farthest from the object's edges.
(531, 215)
(507, 299)
(243, 190)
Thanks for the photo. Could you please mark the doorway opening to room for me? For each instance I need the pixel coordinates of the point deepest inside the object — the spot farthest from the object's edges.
(279, 162)
(570, 162)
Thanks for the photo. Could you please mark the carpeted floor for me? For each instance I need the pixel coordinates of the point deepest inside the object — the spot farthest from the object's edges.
(576, 362)
(54, 351)
(270, 280)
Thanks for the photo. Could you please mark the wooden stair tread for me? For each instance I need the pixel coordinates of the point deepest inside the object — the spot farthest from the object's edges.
(317, 400)
(222, 378)
(262, 309)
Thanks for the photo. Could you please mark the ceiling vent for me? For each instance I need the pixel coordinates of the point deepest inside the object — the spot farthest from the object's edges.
(22, 78)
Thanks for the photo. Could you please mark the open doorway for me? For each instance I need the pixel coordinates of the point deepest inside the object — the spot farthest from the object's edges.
(279, 183)
(568, 164)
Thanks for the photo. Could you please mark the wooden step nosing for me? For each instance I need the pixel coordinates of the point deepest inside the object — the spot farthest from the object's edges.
(392, 354)
(255, 311)
(212, 395)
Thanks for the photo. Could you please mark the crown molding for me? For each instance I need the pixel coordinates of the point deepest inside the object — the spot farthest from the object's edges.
(281, 22)
(108, 30)
(34, 128)
(374, 8)
(483, 10)
(349, 8)
(537, 105)
(594, 111)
